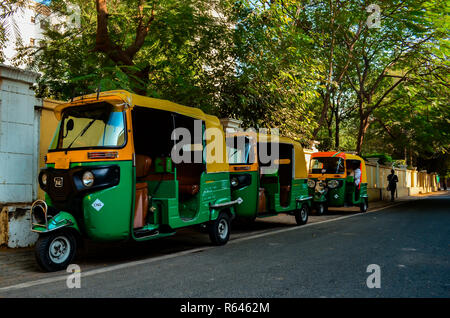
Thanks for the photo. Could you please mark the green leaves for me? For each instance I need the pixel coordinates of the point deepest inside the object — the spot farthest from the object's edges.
(298, 65)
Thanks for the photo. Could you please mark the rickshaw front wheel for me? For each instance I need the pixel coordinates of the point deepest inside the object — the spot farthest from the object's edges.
(364, 205)
(301, 216)
(55, 250)
(219, 229)
(321, 209)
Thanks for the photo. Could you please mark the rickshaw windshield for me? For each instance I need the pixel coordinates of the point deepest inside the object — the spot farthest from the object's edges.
(331, 165)
(92, 126)
(238, 150)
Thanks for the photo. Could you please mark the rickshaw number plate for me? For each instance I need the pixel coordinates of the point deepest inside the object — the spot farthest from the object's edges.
(58, 182)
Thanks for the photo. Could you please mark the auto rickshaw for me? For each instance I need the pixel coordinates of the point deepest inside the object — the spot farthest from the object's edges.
(267, 188)
(110, 175)
(332, 181)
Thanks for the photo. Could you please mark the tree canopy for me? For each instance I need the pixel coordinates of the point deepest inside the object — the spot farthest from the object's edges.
(351, 74)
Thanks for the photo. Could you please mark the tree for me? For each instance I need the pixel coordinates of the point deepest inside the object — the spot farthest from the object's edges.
(387, 57)
(416, 126)
(168, 49)
(239, 59)
(8, 27)
(277, 72)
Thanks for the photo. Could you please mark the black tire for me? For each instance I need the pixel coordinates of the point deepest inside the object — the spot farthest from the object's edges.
(48, 247)
(219, 229)
(321, 209)
(301, 215)
(364, 205)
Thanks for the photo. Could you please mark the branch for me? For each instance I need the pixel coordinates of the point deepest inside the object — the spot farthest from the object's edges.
(114, 51)
(141, 31)
(386, 128)
(378, 103)
(103, 42)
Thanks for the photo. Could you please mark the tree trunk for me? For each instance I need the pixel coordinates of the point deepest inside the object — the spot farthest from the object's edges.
(363, 125)
(119, 55)
(337, 122)
(323, 115)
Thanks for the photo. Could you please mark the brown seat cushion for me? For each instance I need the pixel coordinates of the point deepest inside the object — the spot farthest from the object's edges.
(141, 205)
(285, 191)
(262, 202)
(143, 164)
(188, 176)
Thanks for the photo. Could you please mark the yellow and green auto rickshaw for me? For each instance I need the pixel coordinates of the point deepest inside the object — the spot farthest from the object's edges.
(110, 175)
(268, 187)
(337, 179)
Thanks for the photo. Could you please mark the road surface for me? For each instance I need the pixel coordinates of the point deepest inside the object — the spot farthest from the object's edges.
(408, 243)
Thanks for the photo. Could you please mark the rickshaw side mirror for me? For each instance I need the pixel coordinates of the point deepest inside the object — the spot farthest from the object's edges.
(69, 125)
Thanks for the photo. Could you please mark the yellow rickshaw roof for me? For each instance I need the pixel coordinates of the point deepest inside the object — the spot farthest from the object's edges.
(265, 137)
(122, 98)
(344, 155)
(341, 154)
(300, 161)
(353, 157)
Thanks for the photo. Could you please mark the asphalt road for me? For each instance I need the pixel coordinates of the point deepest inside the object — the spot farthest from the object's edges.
(410, 243)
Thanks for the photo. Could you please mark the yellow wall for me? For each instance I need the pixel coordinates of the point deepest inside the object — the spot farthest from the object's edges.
(410, 182)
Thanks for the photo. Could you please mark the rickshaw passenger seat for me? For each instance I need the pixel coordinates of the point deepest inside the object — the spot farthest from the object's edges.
(143, 164)
(188, 176)
(285, 191)
(141, 205)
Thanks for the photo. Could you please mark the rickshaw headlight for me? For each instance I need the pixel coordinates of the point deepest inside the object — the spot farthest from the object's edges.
(44, 179)
(311, 183)
(234, 182)
(333, 184)
(88, 179)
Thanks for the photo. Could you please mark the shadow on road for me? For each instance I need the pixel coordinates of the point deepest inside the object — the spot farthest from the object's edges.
(18, 266)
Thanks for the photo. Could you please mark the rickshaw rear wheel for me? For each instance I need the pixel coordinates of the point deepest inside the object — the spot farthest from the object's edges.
(364, 205)
(301, 215)
(55, 250)
(321, 209)
(219, 229)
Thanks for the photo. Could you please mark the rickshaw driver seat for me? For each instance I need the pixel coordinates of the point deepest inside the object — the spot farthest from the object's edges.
(143, 164)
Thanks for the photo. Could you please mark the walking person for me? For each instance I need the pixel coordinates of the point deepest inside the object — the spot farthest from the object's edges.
(392, 185)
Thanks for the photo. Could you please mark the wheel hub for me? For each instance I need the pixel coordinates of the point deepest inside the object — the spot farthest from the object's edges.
(303, 213)
(223, 229)
(59, 249)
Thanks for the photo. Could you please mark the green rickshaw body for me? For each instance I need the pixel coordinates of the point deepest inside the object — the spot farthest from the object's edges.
(330, 183)
(102, 215)
(106, 208)
(267, 191)
(248, 192)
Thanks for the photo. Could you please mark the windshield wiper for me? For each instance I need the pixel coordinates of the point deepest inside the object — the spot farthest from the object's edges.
(82, 132)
